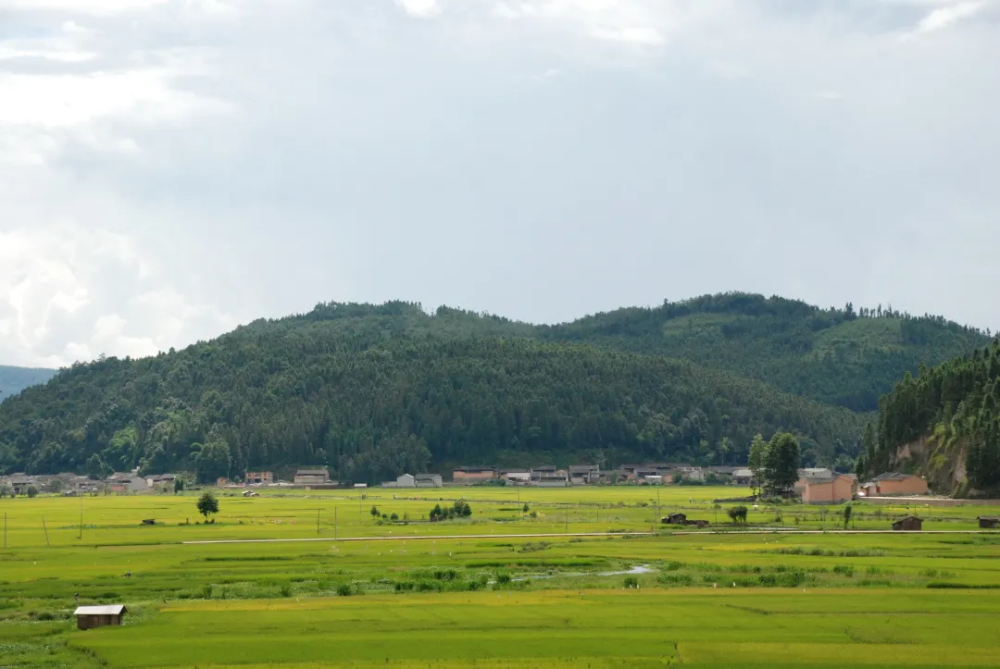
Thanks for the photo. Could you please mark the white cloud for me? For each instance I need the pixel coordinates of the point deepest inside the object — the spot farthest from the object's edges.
(942, 17)
(420, 8)
(51, 101)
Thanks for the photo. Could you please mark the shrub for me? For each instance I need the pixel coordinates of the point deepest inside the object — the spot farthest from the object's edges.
(631, 582)
(844, 570)
(32, 491)
(286, 589)
(503, 579)
(344, 590)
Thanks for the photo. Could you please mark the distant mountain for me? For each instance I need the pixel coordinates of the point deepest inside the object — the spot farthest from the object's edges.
(371, 390)
(15, 379)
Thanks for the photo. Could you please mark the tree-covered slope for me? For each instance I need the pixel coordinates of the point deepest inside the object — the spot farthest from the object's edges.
(15, 379)
(375, 402)
(845, 357)
(953, 409)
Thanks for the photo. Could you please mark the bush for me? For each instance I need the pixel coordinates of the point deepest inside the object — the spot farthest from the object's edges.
(631, 582)
(503, 579)
(32, 491)
(844, 570)
(344, 590)
(286, 589)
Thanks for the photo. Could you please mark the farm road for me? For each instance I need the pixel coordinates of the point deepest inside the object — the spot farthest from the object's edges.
(447, 537)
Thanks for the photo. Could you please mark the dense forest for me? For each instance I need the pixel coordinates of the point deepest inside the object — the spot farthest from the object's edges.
(370, 390)
(15, 379)
(846, 357)
(955, 407)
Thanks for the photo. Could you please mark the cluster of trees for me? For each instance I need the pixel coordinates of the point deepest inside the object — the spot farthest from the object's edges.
(775, 464)
(460, 509)
(955, 406)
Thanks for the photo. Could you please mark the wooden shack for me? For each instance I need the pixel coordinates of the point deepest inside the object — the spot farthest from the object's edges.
(90, 617)
(989, 522)
(908, 524)
(675, 519)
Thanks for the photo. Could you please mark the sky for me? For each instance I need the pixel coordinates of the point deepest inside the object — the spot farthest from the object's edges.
(170, 169)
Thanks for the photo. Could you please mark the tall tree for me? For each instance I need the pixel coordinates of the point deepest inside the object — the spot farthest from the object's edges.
(758, 451)
(781, 464)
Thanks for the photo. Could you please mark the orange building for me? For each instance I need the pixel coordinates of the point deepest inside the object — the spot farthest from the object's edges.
(469, 475)
(825, 488)
(900, 484)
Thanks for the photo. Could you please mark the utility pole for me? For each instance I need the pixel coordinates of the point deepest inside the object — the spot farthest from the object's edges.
(46, 531)
(317, 521)
(657, 505)
(334, 522)
(80, 535)
(567, 521)
(5, 530)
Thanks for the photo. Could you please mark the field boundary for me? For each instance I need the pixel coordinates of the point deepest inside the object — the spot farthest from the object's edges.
(776, 531)
(444, 537)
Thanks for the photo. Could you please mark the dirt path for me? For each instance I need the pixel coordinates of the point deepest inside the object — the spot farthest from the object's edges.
(449, 537)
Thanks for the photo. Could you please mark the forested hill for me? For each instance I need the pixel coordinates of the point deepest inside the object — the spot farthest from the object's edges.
(15, 379)
(846, 357)
(948, 417)
(311, 395)
(371, 390)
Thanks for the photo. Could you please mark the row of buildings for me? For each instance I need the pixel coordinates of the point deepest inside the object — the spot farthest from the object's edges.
(70, 484)
(554, 477)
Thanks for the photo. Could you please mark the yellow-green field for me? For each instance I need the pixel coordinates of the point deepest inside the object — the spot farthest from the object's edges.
(415, 594)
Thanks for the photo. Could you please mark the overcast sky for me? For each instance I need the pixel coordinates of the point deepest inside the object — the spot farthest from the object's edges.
(170, 169)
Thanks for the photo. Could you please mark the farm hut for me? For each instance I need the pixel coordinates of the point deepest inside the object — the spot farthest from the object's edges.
(675, 519)
(989, 522)
(908, 524)
(90, 617)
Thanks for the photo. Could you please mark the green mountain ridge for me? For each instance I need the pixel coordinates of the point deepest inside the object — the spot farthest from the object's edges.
(371, 390)
(15, 379)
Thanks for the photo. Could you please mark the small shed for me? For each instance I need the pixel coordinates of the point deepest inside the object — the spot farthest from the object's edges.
(90, 617)
(908, 524)
(989, 522)
(675, 519)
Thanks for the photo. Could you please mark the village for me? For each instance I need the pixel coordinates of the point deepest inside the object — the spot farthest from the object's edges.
(814, 485)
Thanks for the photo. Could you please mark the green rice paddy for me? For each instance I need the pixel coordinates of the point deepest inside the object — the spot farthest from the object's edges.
(336, 586)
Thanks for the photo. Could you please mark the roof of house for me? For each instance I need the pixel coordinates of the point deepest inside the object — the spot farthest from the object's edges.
(996, 518)
(107, 610)
(743, 472)
(893, 476)
(474, 469)
(584, 468)
(312, 472)
(427, 477)
(910, 518)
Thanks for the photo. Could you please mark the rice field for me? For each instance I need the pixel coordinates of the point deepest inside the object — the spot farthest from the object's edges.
(335, 586)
